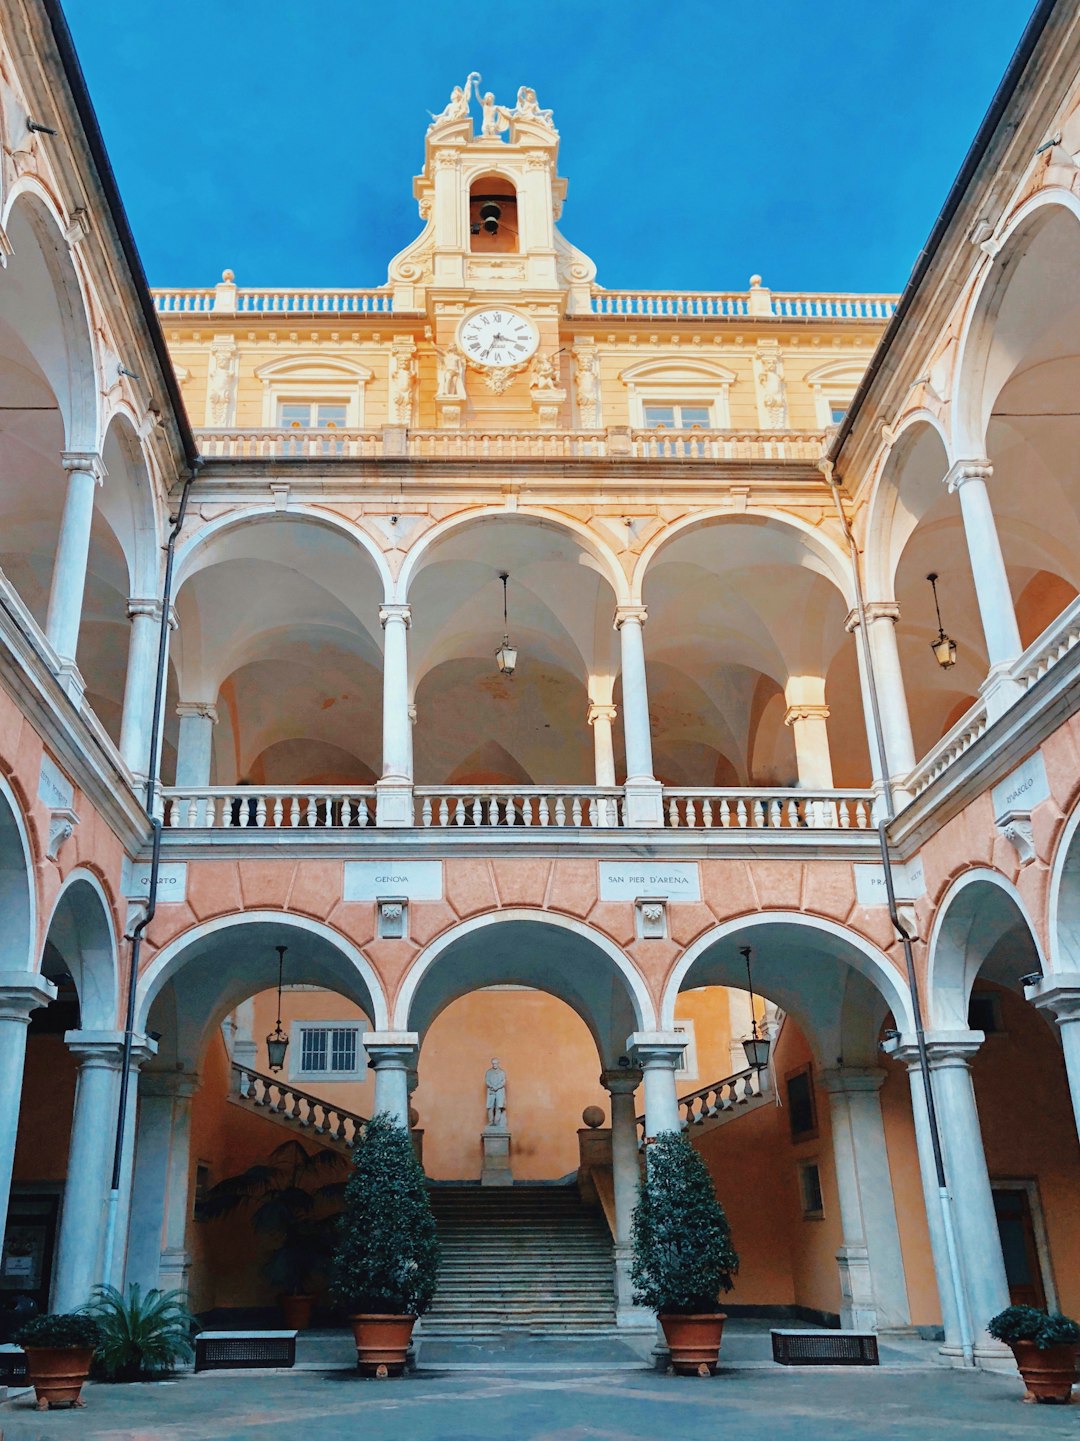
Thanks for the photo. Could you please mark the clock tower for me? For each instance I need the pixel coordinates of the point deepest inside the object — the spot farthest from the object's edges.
(490, 272)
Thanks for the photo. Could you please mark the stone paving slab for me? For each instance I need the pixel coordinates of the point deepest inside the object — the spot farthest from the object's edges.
(611, 1405)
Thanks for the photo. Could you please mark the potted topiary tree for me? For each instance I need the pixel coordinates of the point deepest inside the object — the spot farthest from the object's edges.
(142, 1336)
(1046, 1346)
(285, 1201)
(59, 1349)
(387, 1260)
(683, 1255)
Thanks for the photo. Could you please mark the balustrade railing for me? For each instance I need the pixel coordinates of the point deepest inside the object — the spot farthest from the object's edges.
(1051, 646)
(298, 1108)
(756, 302)
(952, 745)
(554, 807)
(507, 444)
(275, 444)
(792, 810)
(710, 1102)
(273, 301)
(663, 444)
(267, 808)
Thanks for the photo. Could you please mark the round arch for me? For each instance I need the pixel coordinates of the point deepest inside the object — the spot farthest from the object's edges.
(981, 926)
(82, 931)
(831, 557)
(55, 326)
(128, 500)
(1063, 898)
(604, 560)
(839, 988)
(529, 961)
(18, 897)
(881, 551)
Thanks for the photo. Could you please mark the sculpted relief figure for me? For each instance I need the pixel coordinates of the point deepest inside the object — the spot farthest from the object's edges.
(587, 388)
(772, 391)
(495, 1081)
(545, 373)
(402, 376)
(220, 386)
(451, 374)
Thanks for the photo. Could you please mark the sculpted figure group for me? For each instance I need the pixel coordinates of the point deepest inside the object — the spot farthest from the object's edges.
(494, 118)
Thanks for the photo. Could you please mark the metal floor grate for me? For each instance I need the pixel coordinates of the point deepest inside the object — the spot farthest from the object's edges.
(225, 1350)
(824, 1348)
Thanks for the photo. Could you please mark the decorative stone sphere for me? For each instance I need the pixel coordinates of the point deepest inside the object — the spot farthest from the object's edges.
(228, 276)
(414, 1117)
(593, 1116)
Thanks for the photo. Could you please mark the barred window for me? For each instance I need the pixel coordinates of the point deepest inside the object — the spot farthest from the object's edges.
(329, 1051)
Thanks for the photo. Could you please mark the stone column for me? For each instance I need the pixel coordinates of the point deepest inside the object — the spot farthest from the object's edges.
(79, 1256)
(659, 1054)
(157, 1243)
(881, 619)
(600, 717)
(195, 743)
(115, 1259)
(1060, 995)
(135, 726)
(20, 993)
(392, 1055)
(872, 1280)
(1000, 631)
(982, 1266)
(394, 791)
(644, 803)
(811, 736)
(85, 473)
(626, 1180)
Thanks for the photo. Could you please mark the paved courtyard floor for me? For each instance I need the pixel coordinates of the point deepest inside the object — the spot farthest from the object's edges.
(530, 1390)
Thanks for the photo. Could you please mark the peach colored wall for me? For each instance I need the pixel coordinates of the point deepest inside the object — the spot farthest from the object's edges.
(48, 1098)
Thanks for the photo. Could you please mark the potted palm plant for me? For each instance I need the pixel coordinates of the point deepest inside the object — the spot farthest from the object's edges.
(141, 1336)
(293, 1197)
(1046, 1346)
(387, 1260)
(59, 1349)
(683, 1254)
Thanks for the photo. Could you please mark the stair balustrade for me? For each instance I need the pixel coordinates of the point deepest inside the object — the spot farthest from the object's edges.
(718, 1101)
(296, 1109)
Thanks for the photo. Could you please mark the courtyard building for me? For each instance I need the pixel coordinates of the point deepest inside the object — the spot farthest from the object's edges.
(488, 672)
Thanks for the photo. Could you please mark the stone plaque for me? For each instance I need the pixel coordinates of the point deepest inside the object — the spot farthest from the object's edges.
(406, 880)
(908, 883)
(172, 882)
(627, 880)
(1023, 789)
(54, 788)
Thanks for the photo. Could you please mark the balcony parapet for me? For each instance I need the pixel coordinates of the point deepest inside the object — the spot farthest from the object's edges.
(617, 443)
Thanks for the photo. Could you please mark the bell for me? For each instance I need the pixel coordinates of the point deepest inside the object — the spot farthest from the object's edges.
(490, 214)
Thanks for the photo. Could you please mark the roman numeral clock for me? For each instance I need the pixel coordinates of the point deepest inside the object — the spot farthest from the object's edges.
(499, 343)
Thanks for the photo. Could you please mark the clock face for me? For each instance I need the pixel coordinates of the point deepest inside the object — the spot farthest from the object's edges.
(498, 337)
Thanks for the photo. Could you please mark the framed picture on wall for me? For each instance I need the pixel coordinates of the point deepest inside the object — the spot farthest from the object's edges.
(801, 1104)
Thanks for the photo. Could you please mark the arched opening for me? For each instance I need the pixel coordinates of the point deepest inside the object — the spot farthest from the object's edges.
(981, 948)
(493, 216)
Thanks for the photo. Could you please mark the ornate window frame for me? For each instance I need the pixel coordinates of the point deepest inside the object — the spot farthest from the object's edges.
(682, 380)
(306, 379)
(834, 384)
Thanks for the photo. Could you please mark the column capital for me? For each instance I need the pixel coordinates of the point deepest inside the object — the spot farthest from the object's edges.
(944, 1049)
(634, 614)
(1059, 994)
(204, 708)
(22, 992)
(391, 1050)
(179, 1085)
(139, 606)
(105, 1049)
(857, 1080)
(402, 613)
(875, 610)
(657, 1050)
(623, 1081)
(600, 711)
(87, 462)
(802, 712)
(964, 470)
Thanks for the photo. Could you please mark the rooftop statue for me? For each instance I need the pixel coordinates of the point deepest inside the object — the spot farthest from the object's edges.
(528, 108)
(457, 107)
(494, 118)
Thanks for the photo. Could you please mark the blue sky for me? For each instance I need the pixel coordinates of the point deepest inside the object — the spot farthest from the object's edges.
(810, 140)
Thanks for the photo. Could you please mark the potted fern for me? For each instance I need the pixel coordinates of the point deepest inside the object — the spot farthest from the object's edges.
(140, 1336)
(683, 1254)
(1046, 1346)
(59, 1349)
(387, 1260)
(292, 1197)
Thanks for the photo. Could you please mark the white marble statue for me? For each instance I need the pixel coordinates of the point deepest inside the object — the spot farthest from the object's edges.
(451, 374)
(528, 108)
(402, 379)
(545, 372)
(458, 106)
(587, 386)
(496, 118)
(495, 1081)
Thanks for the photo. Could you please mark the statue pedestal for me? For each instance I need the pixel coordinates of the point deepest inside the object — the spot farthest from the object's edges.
(495, 1145)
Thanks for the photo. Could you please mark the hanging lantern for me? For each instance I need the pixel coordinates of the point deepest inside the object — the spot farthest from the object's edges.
(944, 647)
(506, 655)
(755, 1046)
(277, 1042)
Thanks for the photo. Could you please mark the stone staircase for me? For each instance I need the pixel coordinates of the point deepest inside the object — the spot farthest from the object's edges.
(522, 1257)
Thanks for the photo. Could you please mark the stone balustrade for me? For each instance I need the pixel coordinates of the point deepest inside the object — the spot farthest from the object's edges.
(554, 807)
(718, 1101)
(296, 1108)
(274, 444)
(267, 808)
(768, 809)
(663, 444)
(249, 301)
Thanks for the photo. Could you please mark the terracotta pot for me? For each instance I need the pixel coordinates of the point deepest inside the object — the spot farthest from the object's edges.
(57, 1373)
(694, 1342)
(382, 1343)
(1048, 1375)
(296, 1311)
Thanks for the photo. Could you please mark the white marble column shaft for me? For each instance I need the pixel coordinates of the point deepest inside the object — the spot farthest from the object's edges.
(1000, 631)
(158, 1253)
(394, 800)
(137, 719)
(643, 799)
(881, 619)
(392, 1054)
(1060, 995)
(85, 473)
(659, 1054)
(626, 1181)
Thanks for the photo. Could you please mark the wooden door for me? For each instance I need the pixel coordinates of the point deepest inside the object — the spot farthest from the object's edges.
(1023, 1271)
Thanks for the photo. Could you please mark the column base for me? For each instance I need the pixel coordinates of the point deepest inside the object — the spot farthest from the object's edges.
(643, 806)
(393, 803)
(174, 1271)
(635, 1318)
